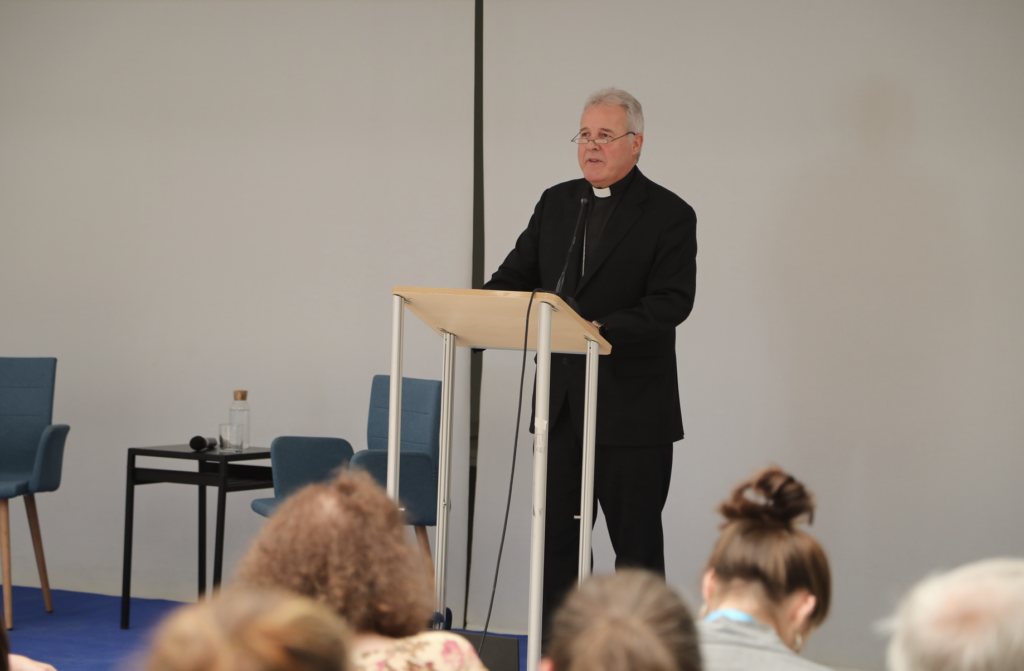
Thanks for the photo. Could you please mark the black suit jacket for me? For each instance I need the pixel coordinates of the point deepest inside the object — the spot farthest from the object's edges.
(639, 283)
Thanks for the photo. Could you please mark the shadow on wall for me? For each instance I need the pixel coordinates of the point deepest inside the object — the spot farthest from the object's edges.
(869, 268)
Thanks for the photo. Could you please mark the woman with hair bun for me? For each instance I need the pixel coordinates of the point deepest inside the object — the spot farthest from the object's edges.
(767, 584)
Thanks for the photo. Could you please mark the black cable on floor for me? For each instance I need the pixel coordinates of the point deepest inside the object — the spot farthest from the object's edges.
(512, 477)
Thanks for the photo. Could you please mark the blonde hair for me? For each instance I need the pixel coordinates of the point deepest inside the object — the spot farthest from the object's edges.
(630, 621)
(344, 543)
(251, 631)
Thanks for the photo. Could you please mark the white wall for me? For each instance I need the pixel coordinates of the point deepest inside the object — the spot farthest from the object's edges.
(197, 197)
(855, 168)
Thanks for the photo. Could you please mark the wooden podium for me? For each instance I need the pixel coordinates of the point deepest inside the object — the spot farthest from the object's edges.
(496, 320)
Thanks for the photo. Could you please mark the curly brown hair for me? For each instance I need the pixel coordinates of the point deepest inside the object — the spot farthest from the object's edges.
(344, 543)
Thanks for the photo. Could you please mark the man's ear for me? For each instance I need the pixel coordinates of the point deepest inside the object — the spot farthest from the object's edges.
(708, 585)
(546, 665)
(638, 143)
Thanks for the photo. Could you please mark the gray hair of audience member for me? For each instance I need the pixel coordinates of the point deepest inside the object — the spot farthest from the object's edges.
(967, 619)
(244, 630)
(630, 621)
(614, 96)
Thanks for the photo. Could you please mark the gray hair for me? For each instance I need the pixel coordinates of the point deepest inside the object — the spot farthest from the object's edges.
(614, 96)
(969, 619)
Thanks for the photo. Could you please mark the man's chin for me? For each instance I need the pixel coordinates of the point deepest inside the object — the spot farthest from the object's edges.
(596, 178)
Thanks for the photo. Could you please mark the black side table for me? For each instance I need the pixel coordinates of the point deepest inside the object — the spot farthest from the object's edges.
(215, 470)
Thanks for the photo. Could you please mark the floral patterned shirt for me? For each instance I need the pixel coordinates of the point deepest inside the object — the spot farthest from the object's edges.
(426, 651)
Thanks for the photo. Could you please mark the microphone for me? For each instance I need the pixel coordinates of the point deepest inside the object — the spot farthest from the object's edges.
(561, 279)
(199, 443)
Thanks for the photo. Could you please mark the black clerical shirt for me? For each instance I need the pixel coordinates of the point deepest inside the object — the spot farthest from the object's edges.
(598, 214)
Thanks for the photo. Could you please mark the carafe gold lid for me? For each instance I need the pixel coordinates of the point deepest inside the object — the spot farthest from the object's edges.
(241, 395)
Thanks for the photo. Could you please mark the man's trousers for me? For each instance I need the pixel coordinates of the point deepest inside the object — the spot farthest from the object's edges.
(630, 484)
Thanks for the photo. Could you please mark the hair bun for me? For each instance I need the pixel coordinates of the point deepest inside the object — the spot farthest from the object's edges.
(772, 497)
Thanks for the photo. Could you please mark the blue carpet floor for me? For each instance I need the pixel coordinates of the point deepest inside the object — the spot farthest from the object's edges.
(83, 633)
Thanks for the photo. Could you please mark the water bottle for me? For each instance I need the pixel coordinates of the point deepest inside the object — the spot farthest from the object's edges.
(239, 414)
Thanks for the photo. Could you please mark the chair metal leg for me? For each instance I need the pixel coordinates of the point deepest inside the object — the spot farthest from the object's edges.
(5, 559)
(428, 560)
(37, 543)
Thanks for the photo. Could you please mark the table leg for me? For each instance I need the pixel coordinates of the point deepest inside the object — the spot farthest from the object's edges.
(202, 538)
(218, 548)
(126, 567)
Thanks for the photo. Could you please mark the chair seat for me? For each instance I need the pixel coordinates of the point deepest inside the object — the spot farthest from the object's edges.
(10, 487)
(265, 507)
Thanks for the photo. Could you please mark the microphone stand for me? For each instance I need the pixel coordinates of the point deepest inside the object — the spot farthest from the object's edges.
(561, 279)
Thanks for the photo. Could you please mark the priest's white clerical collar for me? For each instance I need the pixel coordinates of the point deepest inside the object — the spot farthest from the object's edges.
(602, 193)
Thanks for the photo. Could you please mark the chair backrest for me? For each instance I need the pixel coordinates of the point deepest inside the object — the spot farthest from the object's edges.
(421, 415)
(298, 461)
(26, 408)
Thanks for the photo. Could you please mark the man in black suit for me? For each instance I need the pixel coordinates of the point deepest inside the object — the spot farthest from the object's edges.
(633, 272)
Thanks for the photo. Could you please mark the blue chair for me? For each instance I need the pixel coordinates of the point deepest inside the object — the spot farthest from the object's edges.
(297, 461)
(418, 459)
(31, 456)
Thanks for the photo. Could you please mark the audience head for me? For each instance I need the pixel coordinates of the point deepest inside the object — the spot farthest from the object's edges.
(630, 621)
(344, 543)
(969, 619)
(5, 646)
(251, 631)
(763, 558)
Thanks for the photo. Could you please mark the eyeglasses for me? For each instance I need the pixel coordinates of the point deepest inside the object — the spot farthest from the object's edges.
(598, 140)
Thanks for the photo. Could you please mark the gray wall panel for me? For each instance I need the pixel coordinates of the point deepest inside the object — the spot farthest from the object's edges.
(854, 169)
(197, 197)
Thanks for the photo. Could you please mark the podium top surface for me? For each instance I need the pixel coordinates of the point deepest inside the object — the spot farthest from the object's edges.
(496, 319)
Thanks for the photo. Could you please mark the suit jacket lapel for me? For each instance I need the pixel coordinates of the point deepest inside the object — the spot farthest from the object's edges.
(626, 214)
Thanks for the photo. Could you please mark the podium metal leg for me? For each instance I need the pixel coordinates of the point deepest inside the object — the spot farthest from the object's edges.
(589, 454)
(444, 470)
(395, 401)
(540, 474)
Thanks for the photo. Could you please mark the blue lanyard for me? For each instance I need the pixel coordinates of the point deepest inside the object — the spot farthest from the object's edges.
(729, 614)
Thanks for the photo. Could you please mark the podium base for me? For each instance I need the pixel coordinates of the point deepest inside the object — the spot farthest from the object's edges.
(500, 653)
